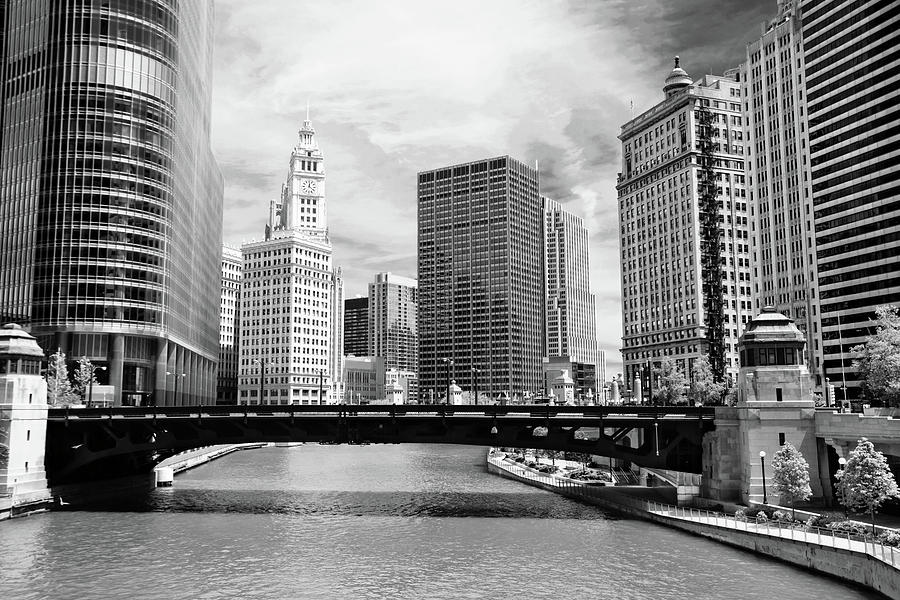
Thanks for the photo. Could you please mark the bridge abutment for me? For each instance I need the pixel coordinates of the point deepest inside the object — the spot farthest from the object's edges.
(23, 423)
(775, 406)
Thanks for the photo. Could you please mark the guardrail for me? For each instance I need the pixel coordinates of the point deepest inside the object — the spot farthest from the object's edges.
(819, 536)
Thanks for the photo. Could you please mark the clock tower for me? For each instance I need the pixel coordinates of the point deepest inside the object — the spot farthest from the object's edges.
(303, 193)
(291, 349)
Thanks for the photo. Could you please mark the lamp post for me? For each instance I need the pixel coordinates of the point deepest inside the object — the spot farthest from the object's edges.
(449, 362)
(843, 462)
(262, 377)
(762, 463)
(91, 384)
(475, 383)
(177, 377)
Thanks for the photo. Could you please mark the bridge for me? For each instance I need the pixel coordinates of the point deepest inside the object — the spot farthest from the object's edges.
(88, 444)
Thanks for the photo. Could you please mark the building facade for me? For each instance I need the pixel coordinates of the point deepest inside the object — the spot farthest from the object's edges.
(292, 296)
(779, 184)
(571, 322)
(356, 326)
(229, 325)
(851, 54)
(481, 290)
(684, 228)
(110, 198)
(393, 309)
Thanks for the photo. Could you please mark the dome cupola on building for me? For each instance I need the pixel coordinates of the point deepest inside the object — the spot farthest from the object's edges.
(771, 338)
(677, 80)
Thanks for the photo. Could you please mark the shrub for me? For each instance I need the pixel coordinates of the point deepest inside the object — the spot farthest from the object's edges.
(740, 514)
(782, 516)
(762, 517)
(531, 464)
(889, 538)
(584, 475)
(519, 459)
(818, 521)
(848, 527)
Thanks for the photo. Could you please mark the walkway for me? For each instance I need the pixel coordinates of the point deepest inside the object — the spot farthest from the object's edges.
(648, 503)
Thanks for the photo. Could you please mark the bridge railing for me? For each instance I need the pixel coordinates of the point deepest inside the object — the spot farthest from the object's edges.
(537, 410)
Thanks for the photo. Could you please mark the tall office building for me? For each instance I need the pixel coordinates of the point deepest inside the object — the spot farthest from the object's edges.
(356, 326)
(393, 306)
(571, 326)
(481, 290)
(229, 325)
(292, 298)
(779, 186)
(851, 52)
(684, 228)
(110, 198)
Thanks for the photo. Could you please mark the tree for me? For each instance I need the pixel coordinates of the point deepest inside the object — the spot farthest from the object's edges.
(866, 480)
(790, 475)
(59, 390)
(704, 388)
(878, 361)
(84, 377)
(671, 383)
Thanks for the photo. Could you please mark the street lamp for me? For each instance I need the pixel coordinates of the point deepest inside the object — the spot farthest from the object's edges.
(175, 398)
(843, 462)
(475, 383)
(91, 384)
(262, 377)
(449, 362)
(762, 463)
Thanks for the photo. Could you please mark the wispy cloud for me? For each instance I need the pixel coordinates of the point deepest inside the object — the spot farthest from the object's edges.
(399, 87)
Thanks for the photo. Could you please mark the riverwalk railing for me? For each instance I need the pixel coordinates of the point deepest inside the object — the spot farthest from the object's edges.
(827, 538)
(820, 536)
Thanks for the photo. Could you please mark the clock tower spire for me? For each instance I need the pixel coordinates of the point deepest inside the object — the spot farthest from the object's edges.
(303, 193)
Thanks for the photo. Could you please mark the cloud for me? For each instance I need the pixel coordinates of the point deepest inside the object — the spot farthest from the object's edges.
(400, 87)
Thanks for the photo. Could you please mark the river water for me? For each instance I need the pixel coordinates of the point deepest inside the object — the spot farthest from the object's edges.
(358, 522)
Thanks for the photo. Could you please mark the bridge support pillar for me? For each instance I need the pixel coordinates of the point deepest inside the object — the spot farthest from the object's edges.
(23, 423)
(775, 406)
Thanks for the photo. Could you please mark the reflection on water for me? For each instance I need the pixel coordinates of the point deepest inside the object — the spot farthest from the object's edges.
(402, 521)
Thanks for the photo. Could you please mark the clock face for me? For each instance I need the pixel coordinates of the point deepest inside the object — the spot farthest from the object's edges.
(307, 186)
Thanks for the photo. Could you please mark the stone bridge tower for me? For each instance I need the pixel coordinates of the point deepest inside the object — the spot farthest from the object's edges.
(775, 405)
(23, 423)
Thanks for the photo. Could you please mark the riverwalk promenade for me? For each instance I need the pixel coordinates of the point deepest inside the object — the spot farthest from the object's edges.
(850, 557)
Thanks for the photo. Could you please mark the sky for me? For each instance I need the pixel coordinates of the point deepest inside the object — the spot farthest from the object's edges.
(402, 86)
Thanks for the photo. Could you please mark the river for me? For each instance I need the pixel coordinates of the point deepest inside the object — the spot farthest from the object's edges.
(359, 522)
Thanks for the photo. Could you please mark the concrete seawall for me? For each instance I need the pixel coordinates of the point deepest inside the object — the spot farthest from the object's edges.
(194, 458)
(851, 565)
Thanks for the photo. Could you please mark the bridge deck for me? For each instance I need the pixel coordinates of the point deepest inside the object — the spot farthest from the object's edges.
(613, 414)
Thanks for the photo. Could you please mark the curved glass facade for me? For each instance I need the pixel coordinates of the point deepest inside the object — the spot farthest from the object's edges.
(110, 199)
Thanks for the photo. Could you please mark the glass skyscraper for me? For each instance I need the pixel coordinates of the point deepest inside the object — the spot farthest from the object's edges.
(481, 288)
(110, 198)
(851, 52)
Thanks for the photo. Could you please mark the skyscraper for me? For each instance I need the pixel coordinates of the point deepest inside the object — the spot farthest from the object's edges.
(292, 298)
(110, 198)
(393, 305)
(684, 228)
(571, 318)
(779, 186)
(356, 326)
(229, 325)
(851, 53)
(481, 290)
